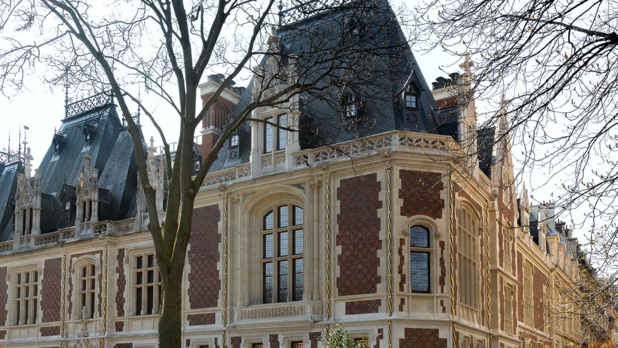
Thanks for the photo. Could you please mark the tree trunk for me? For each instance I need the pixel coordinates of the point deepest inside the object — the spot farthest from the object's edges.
(170, 320)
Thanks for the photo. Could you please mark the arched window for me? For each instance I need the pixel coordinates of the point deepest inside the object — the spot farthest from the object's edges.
(282, 254)
(420, 256)
(468, 256)
(86, 290)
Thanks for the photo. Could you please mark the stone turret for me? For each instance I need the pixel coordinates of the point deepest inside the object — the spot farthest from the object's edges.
(27, 203)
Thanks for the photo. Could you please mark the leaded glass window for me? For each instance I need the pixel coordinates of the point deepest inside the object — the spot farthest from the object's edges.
(282, 254)
(420, 256)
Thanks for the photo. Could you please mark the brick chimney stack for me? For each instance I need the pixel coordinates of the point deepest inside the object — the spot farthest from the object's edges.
(218, 113)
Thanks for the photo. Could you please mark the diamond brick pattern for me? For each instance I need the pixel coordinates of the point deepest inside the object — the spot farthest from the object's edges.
(420, 192)
(402, 261)
(402, 303)
(71, 276)
(314, 338)
(273, 341)
(2, 334)
(235, 341)
(4, 294)
(428, 338)
(204, 278)
(120, 283)
(359, 235)
(119, 326)
(51, 288)
(201, 319)
(124, 345)
(362, 307)
(50, 331)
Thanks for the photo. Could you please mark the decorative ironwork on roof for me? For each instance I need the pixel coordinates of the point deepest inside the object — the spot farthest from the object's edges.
(89, 103)
(301, 10)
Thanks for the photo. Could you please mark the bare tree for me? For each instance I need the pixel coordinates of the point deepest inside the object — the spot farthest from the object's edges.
(556, 64)
(168, 45)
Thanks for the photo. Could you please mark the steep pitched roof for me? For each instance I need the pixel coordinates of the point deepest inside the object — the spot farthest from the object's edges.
(374, 64)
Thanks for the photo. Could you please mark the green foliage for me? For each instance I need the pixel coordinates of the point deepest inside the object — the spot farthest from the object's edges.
(340, 338)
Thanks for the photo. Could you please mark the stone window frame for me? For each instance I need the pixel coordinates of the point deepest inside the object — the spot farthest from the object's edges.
(467, 260)
(131, 275)
(509, 299)
(508, 237)
(434, 234)
(253, 211)
(75, 270)
(276, 133)
(12, 276)
(290, 256)
(202, 342)
(253, 342)
(288, 341)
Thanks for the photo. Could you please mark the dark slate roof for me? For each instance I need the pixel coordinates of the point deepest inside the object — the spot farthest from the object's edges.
(8, 185)
(377, 70)
(485, 143)
(121, 164)
(57, 169)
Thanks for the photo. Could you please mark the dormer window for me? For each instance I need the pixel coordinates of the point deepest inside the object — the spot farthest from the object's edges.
(275, 139)
(350, 106)
(234, 140)
(410, 97)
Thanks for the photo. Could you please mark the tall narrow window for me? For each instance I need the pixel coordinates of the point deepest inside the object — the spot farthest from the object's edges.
(269, 135)
(528, 299)
(419, 259)
(26, 291)
(508, 309)
(350, 106)
(282, 254)
(275, 139)
(468, 256)
(234, 140)
(282, 135)
(147, 285)
(86, 281)
(410, 97)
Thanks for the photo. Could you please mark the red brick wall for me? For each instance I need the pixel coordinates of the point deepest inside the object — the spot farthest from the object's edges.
(539, 280)
(204, 278)
(427, 338)
(359, 235)
(420, 192)
(314, 338)
(236, 341)
(362, 307)
(51, 290)
(50, 331)
(120, 283)
(201, 319)
(4, 293)
(273, 341)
